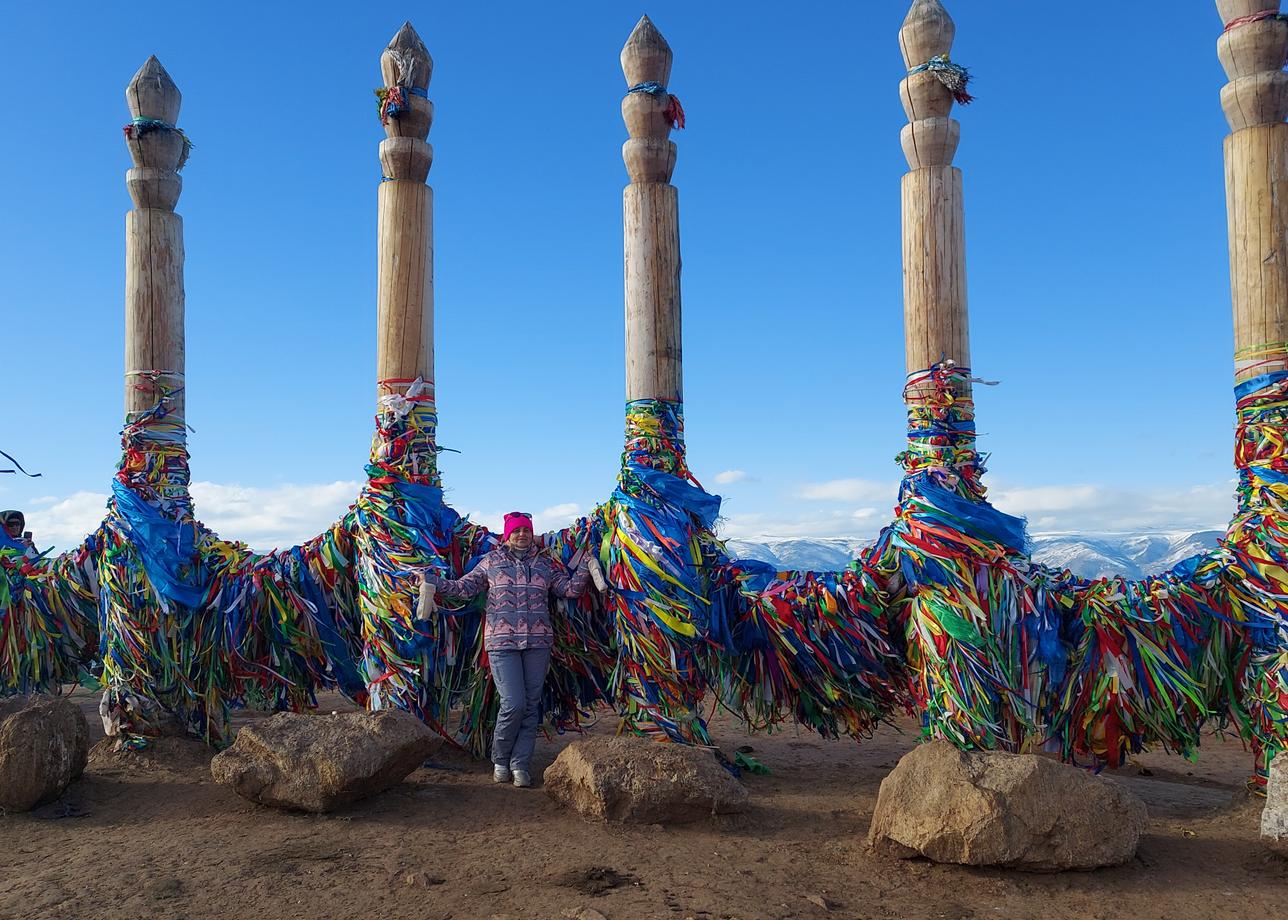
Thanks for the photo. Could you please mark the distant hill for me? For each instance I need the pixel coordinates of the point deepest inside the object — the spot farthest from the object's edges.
(1130, 555)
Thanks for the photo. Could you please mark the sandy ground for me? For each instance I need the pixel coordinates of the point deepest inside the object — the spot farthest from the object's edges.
(156, 838)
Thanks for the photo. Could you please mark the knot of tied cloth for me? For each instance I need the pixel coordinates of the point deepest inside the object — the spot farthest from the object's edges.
(392, 101)
(142, 126)
(1259, 16)
(674, 112)
(399, 405)
(955, 77)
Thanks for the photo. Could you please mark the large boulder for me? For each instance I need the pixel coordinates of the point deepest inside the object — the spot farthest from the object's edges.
(634, 780)
(987, 808)
(1274, 817)
(44, 742)
(318, 763)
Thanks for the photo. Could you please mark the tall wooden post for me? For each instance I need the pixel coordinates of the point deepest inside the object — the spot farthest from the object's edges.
(154, 458)
(934, 238)
(405, 268)
(1252, 50)
(403, 446)
(154, 355)
(650, 222)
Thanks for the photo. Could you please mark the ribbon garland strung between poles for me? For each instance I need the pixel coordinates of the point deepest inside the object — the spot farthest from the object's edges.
(944, 615)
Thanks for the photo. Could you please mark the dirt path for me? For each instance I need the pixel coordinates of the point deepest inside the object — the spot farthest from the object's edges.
(144, 840)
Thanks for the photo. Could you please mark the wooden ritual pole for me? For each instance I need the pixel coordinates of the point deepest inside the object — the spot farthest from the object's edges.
(657, 700)
(404, 446)
(154, 460)
(1252, 50)
(405, 259)
(154, 355)
(934, 239)
(650, 222)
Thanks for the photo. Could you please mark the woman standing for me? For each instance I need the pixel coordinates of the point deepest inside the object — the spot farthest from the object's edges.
(517, 634)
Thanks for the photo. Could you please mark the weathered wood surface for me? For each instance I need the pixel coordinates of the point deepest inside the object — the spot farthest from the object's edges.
(936, 326)
(154, 295)
(650, 226)
(1255, 102)
(405, 252)
(934, 268)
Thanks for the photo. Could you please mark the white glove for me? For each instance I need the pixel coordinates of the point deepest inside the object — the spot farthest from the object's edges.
(426, 606)
(597, 574)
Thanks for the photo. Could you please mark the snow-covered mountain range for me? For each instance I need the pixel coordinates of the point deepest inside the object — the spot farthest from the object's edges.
(1130, 555)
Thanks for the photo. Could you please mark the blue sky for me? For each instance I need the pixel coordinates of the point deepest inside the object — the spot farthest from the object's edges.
(1096, 249)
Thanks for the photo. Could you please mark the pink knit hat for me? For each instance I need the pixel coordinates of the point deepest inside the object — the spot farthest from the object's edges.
(513, 521)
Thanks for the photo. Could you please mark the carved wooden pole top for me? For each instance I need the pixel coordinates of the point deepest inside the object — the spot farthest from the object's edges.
(406, 60)
(152, 93)
(927, 32)
(931, 86)
(1252, 49)
(156, 144)
(405, 109)
(1230, 10)
(646, 57)
(649, 110)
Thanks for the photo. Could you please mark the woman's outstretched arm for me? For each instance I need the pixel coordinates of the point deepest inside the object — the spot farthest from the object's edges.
(468, 585)
(562, 585)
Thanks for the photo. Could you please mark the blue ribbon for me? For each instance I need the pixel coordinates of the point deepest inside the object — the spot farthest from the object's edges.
(166, 546)
(1248, 387)
(978, 519)
(652, 87)
(18, 465)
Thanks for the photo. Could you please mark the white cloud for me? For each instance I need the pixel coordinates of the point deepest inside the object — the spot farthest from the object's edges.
(1088, 508)
(65, 522)
(858, 523)
(730, 476)
(555, 517)
(1041, 499)
(1073, 507)
(273, 516)
(264, 517)
(850, 490)
(282, 515)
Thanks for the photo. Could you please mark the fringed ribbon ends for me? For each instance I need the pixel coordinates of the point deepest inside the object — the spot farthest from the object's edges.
(394, 101)
(954, 77)
(141, 127)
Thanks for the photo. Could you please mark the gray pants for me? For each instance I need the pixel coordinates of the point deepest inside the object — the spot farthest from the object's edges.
(519, 676)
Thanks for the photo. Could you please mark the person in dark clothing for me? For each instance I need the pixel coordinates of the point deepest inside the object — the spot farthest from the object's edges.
(14, 524)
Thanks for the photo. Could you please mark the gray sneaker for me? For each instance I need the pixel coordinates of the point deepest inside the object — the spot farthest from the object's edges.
(500, 774)
(522, 779)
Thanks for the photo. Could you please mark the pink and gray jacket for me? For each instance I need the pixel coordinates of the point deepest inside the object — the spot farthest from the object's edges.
(518, 596)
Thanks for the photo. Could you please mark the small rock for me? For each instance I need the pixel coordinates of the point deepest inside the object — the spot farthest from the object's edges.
(988, 808)
(310, 763)
(417, 879)
(642, 782)
(819, 901)
(589, 913)
(1274, 816)
(594, 880)
(164, 889)
(44, 743)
